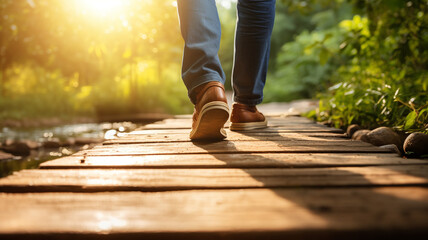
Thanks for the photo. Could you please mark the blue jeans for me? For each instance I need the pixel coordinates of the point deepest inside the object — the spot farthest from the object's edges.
(201, 31)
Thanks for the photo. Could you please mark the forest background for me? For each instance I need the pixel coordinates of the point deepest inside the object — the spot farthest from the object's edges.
(366, 60)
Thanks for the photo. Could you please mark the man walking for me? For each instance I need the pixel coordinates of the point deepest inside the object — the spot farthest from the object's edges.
(202, 72)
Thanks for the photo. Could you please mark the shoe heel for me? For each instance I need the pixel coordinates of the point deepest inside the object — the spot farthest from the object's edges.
(211, 121)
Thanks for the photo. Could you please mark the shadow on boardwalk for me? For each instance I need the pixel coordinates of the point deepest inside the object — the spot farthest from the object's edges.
(317, 200)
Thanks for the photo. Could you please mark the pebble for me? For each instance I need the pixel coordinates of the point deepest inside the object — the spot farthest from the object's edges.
(31, 144)
(384, 136)
(361, 135)
(8, 142)
(85, 141)
(393, 148)
(68, 142)
(5, 156)
(352, 129)
(416, 143)
(52, 143)
(17, 148)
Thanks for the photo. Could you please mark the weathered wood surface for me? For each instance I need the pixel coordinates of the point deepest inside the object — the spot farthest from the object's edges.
(296, 213)
(186, 179)
(274, 123)
(291, 127)
(308, 129)
(293, 180)
(339, 146)
(150, 137)
(291, 122)
(266, 160)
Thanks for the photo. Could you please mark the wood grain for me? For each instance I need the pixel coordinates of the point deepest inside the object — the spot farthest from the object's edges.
(185, 179)
(213, 214)
(269, 160)
(154, 137)
(289, 127)
(273, 121)
(269, 130)
(339, 146)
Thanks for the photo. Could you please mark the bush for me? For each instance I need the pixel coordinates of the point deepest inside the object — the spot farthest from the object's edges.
(385, 80)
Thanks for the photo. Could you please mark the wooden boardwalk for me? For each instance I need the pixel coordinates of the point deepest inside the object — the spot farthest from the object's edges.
(294, 180)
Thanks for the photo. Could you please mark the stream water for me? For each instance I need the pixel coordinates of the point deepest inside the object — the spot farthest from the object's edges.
(90, 131)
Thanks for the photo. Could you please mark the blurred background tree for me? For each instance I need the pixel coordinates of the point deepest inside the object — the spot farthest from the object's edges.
(90, 57)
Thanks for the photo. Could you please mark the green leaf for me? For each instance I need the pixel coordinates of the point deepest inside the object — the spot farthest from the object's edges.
(324, 56)
(410, 120)
(327, 36)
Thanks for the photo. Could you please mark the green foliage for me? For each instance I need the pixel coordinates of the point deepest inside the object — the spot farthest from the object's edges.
(304, 64)
(374, 63)
(26, 97)
(385, 80)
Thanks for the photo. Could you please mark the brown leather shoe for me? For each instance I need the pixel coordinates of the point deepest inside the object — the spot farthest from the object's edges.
(246, 117)
(211, 112)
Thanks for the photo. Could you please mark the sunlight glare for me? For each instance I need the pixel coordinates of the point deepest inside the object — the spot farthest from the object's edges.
(100, 7)
(226, 3)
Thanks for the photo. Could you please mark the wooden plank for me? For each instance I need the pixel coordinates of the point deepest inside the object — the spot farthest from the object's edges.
(232, 136)
(284, 160)
(295, 127)
(186, 123)
(340, 146)
(93, 180)
(316, 130)
(289, 122)
(276, 124)
(218, 214)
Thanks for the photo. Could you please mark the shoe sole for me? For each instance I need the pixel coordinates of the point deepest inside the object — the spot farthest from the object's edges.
(211, 121)
(248, 126)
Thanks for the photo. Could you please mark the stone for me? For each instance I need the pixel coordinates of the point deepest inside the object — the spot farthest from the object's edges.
(22, 147)
(85, 141)
(326, 123)
(17, 148)
(52, 143)
(9, 142)
(31, 144)
(393, 148)
(361, 135)
(384, 136)
(352, 129)
(68, 142)
(5, 156)
(416, 143)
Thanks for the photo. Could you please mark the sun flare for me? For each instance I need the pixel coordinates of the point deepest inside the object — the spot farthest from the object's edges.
(100, 7)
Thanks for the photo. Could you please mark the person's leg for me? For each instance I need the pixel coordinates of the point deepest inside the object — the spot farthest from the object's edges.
(252, 46)
(201, 31)
(201, 69)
